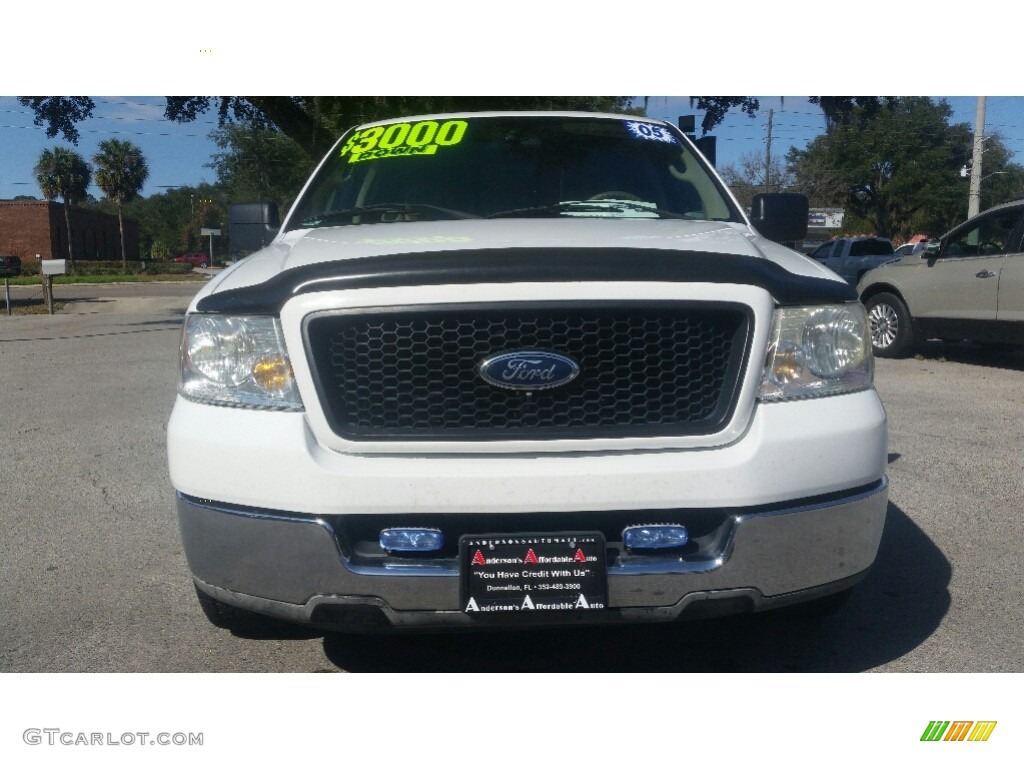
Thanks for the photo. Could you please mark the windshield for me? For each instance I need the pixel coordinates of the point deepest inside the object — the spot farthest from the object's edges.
(510, 167)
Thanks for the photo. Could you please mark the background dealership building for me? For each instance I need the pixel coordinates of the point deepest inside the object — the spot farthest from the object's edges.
(31, 227)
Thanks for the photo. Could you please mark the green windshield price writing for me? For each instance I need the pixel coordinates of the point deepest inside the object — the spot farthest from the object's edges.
(402, 139)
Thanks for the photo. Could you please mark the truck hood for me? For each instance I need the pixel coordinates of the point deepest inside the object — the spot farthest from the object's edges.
(301, 248)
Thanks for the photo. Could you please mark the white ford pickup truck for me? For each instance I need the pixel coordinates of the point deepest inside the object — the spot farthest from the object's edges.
(517, 369)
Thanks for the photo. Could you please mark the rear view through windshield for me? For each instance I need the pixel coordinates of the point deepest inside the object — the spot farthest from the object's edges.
(870, 247)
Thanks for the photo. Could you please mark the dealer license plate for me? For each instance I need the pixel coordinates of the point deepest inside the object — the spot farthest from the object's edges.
(533, 572)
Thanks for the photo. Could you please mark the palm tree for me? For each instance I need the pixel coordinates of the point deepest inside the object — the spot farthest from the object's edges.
(62, 172)
(120, 173)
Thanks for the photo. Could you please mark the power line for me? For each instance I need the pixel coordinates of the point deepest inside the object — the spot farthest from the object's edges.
(120, 133)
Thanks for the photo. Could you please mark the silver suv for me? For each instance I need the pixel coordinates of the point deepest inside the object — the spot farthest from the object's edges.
(967, 285)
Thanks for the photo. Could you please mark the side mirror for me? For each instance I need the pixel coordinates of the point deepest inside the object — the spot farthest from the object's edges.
(253, 225)
(931, 251)
(780, 216)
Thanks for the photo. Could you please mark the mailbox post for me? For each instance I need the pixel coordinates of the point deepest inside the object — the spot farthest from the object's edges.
(10, 266)
(49, 268)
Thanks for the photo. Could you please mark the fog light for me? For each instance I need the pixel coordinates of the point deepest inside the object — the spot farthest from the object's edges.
(411, 540)
(655, 536)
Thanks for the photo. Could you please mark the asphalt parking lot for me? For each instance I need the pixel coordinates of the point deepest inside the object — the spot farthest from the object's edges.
(94, 579)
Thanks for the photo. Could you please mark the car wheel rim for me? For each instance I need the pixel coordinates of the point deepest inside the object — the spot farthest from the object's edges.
(884, 325)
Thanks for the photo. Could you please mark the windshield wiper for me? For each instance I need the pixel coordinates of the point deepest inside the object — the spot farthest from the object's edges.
(586, 206)
(381, 210)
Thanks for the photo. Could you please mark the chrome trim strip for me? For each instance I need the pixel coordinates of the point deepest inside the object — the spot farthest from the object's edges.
(879, 487)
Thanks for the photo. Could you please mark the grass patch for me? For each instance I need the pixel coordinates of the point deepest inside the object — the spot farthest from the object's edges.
(29, 307)
(79, 279)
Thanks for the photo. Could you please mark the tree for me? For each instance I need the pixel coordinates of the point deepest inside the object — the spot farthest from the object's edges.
(840, 109)
(169, 222)
(259, 164)
(717, 107)
(62, 172)
(750, 177)
(313, 122)
(59, 114)
(837, 109)
(814, 177)
(896, 170)
(1003, 179)
(120, 173)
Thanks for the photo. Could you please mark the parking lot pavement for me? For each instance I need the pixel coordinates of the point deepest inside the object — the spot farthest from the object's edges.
(94, 578)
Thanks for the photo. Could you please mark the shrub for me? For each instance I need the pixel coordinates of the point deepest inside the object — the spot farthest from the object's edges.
(30, 267)
(106, 268)
(160, 251)
(167, 268)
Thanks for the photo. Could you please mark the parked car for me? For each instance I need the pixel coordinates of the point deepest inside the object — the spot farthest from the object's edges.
(851, 257)
(10, 266)
(195, 259)
(513, 369)
(967, 285)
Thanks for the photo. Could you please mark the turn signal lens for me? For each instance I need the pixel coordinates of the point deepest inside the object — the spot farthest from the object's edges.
(274, 374)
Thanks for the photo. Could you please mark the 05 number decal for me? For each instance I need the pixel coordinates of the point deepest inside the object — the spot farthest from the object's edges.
(398, 139)
(649, 132)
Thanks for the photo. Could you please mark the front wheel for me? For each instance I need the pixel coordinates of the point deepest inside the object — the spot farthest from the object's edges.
(892, 331)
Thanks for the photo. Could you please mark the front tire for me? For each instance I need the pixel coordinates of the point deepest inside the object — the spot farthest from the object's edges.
(892, 330)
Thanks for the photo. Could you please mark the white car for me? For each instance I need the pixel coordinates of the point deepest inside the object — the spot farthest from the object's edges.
(510, 369)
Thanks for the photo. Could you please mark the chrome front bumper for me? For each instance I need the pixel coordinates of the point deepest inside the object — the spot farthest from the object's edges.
(294, 567)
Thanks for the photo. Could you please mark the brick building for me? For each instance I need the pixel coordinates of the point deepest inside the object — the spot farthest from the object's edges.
(28, 227)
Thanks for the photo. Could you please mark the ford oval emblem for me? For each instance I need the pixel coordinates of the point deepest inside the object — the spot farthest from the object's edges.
(528, 369)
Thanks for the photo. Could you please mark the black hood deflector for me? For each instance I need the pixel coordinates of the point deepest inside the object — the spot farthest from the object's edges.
(529, 265)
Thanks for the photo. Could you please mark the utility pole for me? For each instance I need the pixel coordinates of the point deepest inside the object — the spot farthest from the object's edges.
(768, 153)
(974, 198)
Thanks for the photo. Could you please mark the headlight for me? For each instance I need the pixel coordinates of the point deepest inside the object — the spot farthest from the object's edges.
(237, 361)
(817, 351)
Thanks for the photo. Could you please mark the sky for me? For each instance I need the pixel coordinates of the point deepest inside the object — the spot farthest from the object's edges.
(180, 154)
(177, 154)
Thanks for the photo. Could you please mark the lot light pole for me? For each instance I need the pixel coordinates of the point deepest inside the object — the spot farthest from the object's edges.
(974, 197)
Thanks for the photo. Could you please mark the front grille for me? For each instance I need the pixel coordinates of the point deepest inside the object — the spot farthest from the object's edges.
(645, 369)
